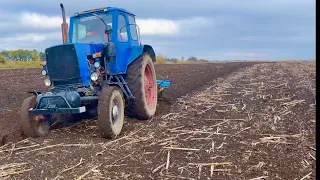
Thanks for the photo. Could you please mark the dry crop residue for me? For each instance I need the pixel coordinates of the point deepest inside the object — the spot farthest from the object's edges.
(257, 123)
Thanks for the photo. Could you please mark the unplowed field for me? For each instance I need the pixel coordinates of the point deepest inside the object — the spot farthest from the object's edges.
(217, 121)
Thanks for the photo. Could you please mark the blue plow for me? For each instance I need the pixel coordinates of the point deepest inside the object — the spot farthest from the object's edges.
(162, 84)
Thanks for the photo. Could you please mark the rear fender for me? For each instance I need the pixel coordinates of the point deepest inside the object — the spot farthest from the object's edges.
(137, 51)
(149, 49)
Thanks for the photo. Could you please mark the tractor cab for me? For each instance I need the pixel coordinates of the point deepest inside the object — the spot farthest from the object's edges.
(107, 37)
(93, 26)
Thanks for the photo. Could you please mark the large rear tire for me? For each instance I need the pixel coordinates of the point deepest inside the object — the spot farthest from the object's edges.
(33, 125)
(110, 112)
(143, 85)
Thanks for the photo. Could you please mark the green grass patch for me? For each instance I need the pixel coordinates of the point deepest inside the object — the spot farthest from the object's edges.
(20, 64)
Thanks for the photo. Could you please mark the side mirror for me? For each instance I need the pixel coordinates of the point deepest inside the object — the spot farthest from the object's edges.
(137, 27)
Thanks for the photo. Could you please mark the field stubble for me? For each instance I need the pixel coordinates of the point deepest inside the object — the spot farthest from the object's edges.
(255, 123)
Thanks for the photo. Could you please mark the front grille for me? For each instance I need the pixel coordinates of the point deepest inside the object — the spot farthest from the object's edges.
(62, 64)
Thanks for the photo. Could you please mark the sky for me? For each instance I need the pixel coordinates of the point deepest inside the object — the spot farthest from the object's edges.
(208, 29)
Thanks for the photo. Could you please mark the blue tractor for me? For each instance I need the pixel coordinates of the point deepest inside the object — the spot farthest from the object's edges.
(101, 69)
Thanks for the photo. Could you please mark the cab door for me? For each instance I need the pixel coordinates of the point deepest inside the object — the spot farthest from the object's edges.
(123, 43)
(133, 31)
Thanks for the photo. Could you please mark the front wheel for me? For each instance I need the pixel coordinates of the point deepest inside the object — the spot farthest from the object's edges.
(33, 125)
(110, 112)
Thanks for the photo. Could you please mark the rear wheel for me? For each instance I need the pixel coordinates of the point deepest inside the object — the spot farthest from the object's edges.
(33, 125)
(142, 83)
(110, 112)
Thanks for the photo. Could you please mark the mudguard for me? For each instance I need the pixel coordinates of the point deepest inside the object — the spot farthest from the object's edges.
(136, 51)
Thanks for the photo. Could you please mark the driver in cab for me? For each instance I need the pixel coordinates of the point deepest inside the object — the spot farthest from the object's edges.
(92, 36)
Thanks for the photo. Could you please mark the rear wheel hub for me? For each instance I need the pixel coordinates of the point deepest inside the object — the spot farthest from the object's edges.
(149, 87)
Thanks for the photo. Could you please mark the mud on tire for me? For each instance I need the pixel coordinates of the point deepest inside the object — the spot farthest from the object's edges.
(31, 127)
(143, 107)
(110, 119)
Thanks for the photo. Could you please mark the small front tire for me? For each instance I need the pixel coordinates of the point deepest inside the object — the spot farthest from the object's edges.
(33, 125)
(110, 112)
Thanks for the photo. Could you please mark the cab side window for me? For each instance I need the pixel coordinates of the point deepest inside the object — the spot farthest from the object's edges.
(122, 29)
(133, 28)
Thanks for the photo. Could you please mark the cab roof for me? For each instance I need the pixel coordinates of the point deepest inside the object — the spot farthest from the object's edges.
(105, 9)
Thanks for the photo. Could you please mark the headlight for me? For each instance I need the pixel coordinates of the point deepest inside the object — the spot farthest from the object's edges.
(94, 76)
(96, 64)
(47, 82)
(44, 72)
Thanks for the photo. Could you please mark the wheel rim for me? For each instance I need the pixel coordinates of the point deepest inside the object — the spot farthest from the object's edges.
(149, 87)
(41, 125)
(115, 111)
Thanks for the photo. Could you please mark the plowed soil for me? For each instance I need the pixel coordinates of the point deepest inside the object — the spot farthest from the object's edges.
(217, 121)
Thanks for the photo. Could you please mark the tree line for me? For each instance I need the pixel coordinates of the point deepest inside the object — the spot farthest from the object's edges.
(21, 55)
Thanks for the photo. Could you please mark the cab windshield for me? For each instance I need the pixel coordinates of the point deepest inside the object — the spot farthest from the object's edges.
(90, 29)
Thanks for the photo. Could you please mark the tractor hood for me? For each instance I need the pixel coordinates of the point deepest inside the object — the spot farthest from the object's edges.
(68, 64)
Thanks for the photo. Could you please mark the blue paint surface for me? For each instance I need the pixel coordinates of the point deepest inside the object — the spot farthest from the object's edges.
(82, 51)
(163, 83)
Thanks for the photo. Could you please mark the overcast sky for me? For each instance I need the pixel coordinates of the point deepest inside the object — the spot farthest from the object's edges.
(209, 29)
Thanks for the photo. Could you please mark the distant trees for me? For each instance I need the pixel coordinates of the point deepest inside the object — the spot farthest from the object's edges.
(192, 58)
(34, 55)
(172, 59)
(2, 60)
(164, 60)
(42, 56)
(22, 55)
(161, 59)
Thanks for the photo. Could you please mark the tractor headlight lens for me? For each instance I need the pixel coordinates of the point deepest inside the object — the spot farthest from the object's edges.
(94, 76)
(47, 82)
(44, 72)
(96, 64)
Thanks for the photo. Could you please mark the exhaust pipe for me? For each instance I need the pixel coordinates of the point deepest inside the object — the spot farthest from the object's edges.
(64, 26)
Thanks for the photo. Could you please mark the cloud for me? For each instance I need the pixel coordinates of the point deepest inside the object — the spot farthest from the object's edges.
(157, 27)
(173, 27)
(261, 39)
(168, 8)
(219, 29)
(33, 38)
(245, 54)
(36, 20)
(150, 26)
(31, 28)
(29, 40)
